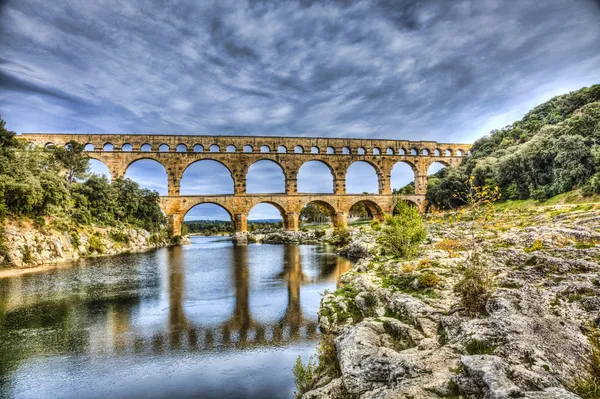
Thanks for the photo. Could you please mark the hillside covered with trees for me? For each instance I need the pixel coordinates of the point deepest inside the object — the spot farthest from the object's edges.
(552, 150)
(37, 182)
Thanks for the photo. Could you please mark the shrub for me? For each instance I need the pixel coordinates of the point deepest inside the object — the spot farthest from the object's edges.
(477, 347)
(75, 241)
(304, 375)
(408, 268)
(429, 280)
(588, 386)
(403, 233)
(375, 225)
(475, 288)
(537, 245)
(95, 245)
(319, 233)
(450, 246)
(424, 264)
(119, 236)
(26, 252)
(341, 235)
(327, 364)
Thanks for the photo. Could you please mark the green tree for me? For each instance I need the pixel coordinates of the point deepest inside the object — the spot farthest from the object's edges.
(72, 159)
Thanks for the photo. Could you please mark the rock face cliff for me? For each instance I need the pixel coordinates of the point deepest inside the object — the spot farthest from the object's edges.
(399, 334)
(28, 246)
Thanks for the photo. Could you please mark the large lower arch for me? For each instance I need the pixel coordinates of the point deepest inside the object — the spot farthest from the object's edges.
(267, 211)
(312, 212)
(362, 178)
(207, 212)
(315, 177)
(265, 176)
(435, 167)
(206, 176)
(371, 209)
(150, 174)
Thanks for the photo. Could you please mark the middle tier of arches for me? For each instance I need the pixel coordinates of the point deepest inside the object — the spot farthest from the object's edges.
(285, 175)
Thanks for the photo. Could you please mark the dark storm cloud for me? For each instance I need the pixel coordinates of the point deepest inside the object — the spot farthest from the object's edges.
(438, 70)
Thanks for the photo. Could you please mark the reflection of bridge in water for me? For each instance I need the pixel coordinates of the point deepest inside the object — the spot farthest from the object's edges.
(240, 331)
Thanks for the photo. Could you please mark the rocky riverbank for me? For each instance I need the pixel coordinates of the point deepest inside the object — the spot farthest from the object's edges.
(283, 237)
(28, 246)
(398, 328)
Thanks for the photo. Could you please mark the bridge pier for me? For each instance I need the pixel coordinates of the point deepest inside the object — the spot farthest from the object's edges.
(291, 221)
(240, 221)
(421, 183)
(175, 224)
(341, 219)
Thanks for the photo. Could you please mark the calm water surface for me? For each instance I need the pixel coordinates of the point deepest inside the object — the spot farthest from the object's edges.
(209, 320)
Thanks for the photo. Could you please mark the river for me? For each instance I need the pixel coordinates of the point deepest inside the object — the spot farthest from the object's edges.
(208, 320)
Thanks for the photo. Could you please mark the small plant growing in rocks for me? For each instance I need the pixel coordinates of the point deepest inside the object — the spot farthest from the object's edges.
(537, 245)
(408, 268)
(588, 386)
(326, 364)
(475, 287)
(450, 246)
(429, 280)
(424, 264)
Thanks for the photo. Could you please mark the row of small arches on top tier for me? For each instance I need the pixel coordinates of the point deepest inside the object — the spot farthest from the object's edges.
(282, 149)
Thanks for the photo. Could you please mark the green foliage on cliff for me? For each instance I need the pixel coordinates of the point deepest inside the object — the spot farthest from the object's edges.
(36, 182)
(555, 148)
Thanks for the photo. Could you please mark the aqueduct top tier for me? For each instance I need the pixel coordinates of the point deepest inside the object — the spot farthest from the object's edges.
(238, 153)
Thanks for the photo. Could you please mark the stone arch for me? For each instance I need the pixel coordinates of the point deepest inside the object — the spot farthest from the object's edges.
(346, 150)
(401, 151)
(448, 152)
(145, 147)
(265, 149)
(459, 152)
(358, 167)
(108, 147)
(156, 183)
(312, 167)
(401, 174)
(330, 209)
(372, 207)
(414, 151)
(424, 151)
(49, 145)
(437, 152)
(163, 148)
(330, 150)
(181, 148)
(98, 167)
(436, 166)
(89, 147)
(314, 149)
(201, 202)
(231, 148)
(275, 177)
(214, 148)
(361, 151)
(389, 151)
(376, 151)
(282, 149)
(216, 176)
(299, 149)
(198, 148)
(248, 148)
(127, 147)
(274, 204)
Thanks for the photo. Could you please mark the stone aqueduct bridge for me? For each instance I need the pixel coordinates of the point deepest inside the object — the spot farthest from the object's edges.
(238, 153)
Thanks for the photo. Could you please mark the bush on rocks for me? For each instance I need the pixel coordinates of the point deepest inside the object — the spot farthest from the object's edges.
(403, 233)
(475, 287)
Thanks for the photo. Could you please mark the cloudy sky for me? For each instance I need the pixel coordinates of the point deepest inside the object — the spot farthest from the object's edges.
(438, 70)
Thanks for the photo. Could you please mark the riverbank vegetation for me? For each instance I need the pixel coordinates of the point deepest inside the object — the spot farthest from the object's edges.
(53, 185)
(553, 149)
